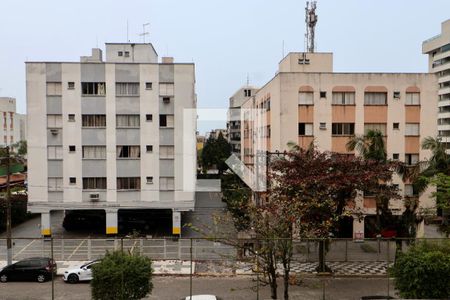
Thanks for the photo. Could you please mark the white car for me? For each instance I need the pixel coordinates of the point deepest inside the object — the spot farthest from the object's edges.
(83, 273)
(201, 297)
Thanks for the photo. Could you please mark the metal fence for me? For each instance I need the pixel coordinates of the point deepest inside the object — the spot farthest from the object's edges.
(339, 250)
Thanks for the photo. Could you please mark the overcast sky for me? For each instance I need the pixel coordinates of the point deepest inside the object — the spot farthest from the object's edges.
(225, 39)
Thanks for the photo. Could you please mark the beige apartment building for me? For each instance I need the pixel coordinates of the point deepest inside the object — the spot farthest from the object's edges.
(14, 127)
(307, 102)
(438, 50)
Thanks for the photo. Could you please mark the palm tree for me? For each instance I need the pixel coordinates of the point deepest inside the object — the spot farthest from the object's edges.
(439, 160)
(369, 146)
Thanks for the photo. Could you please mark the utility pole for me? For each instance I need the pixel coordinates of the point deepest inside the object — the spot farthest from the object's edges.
(8, 209)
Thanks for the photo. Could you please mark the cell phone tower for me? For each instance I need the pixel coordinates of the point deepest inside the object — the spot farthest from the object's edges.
(311, 21)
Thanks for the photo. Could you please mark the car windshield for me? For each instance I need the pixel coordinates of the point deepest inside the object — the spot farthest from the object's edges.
(89, 263)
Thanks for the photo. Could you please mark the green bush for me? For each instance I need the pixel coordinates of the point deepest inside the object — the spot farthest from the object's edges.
(121, 276)
(423, 272)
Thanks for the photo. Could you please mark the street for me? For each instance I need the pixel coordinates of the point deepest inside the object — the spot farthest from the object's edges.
(173, 288)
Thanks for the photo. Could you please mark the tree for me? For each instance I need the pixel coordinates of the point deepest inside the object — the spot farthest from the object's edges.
(423, 272)
(121, 276)
(215, 153)
(237, 195)
(320, 189)
(370, 146)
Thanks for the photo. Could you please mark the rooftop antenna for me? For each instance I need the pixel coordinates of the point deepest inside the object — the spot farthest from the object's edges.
(144, 33)
(128, 40)
(248, 79)
(282, 50)
(311, 21)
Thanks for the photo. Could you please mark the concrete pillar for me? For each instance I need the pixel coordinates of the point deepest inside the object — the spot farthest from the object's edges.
(46, 229)
(176, 223)
(111, 222)
(358, 228)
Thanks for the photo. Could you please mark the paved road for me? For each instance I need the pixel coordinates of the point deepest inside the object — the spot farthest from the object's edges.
(235, 288)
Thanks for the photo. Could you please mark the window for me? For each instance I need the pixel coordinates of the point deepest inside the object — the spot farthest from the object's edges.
(166, 152)
(71, 118)
(343, 128)
(93, 120)
(72, 148)
(344, 98)
(148, 86)
(128, 151)
(375, 98)
(127, 89)
(381, 127)
(247, 93)
(305, 129)
(323, 94)
(128, 120)
(55, 184)
(71, 85)
(323, 126)
(166, 183)
(54, 89)
(94, 183)
(412, 99)
(149, 179)
(166, 121)
(305, 98)
(396, 95)
(149, 117)
(94, 152)
(120, 53)
(396, 126)
(72, 180)
(129, 183)
(149, 148)
(166, 100)
(410, 191)
(395, 156)
(54, 152)
(93, 88)
(127, 54)
(54, 121)
(411, 159)
(166, 89)
(412, 129)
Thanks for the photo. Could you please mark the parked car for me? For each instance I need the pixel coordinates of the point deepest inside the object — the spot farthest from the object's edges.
(38, 269)
(201, 297)
(82, 273)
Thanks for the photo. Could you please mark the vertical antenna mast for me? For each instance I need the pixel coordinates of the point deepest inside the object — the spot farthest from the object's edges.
(311, 21)
(144, 33)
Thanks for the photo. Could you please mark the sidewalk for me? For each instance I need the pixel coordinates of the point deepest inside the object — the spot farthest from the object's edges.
(221, 268)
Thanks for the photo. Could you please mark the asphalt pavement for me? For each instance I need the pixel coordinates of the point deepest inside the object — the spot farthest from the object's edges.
(234, 288)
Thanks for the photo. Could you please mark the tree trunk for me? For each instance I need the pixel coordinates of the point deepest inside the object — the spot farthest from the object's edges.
(273, 282)
(286, 282)
(322, 265)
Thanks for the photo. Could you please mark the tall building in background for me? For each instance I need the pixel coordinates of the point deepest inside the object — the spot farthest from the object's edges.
(112, 135)
(306, 102)
(14, 128)
(438, 50)
(234, 117)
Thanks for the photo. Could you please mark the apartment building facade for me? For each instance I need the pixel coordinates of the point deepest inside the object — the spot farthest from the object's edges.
(110, 135)
(438, 50)
(14, 127)
(234, 117)
(307, 102)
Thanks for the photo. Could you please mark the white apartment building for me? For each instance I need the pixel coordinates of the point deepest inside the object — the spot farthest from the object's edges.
(307, 102)
(234, 117)
(438, 50)
(14, 127)
(111, 135)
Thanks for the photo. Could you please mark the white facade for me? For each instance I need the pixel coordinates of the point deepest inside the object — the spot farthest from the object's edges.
(13, 125)
(111, 135)
(438, 50)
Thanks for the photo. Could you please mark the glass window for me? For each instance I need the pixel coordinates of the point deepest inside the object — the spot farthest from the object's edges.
(306, 98)
(305, 129)
(412, 129)
(166, 152)
(54, 89)
(167, 183)
(375, 98)
(375, 126)
(129, 183)
(128, 151)
(54, 121)
(93, 120)
(55, 184)
(343, 98)
(412, 99)
(166, 89)
(54, 152)
(93, 88)
(94, 152)
(94, 183)
(128, 120)
(343, 128)
(127, 89)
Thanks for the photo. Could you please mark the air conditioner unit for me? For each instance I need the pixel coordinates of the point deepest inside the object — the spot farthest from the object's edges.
(94, 197)
(323, 126)
(166, 100)
(54, 131)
